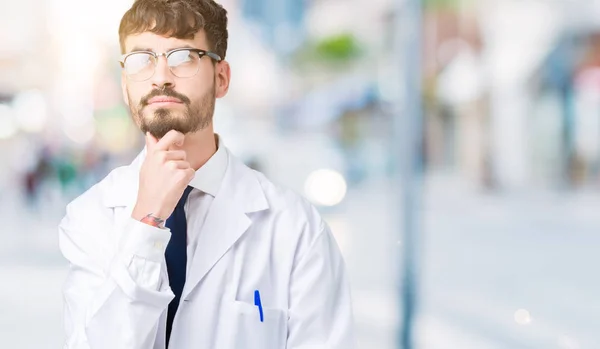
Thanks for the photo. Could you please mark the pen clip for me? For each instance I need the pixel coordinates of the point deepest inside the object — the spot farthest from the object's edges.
(258, 303)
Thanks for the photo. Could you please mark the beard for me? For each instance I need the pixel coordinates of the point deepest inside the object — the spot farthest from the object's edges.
(196, 116)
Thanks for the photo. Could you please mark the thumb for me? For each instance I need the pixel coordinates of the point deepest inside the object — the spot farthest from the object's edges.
(150, 140)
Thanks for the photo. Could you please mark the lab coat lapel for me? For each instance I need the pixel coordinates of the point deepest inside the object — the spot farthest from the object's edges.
(227, 219)
(121, 185)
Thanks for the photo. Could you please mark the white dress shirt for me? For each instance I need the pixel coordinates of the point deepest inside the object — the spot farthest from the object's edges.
(206, 184)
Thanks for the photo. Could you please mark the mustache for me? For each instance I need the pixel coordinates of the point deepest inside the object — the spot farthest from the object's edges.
(164, 92)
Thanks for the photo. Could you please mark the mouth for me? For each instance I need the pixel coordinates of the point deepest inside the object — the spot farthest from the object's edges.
(164, 101)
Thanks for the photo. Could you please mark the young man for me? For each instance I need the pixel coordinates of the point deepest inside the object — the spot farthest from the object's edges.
(187, 247)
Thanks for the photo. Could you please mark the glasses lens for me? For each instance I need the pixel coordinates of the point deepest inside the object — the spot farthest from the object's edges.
(184, 63)
(139, 66)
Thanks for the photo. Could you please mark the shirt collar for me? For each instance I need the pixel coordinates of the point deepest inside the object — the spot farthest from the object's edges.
(210, 176)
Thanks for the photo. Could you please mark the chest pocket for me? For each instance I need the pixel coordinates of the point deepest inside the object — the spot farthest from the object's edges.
(251, 333)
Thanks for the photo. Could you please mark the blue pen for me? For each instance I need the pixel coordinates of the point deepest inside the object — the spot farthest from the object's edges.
(258, 303)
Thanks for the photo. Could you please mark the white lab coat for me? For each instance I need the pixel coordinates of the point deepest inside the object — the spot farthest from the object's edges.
(257, 236)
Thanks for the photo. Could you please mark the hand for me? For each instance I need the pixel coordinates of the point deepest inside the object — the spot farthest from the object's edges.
(164, 176)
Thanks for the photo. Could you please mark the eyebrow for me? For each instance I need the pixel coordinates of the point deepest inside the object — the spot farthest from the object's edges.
(139, 48)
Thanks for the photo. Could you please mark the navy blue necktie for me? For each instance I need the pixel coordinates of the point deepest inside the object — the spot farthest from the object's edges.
(176, 256)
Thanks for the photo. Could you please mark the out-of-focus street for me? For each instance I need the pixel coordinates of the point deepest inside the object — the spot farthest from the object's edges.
(493, 106)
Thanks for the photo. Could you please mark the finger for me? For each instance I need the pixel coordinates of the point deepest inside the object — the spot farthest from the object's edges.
(179, 165)
(191, 173)
(150, 140)
(175, 155)
(172, 137)
(185, 176)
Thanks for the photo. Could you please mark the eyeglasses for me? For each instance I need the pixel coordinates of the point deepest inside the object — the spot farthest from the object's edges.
(183, 62)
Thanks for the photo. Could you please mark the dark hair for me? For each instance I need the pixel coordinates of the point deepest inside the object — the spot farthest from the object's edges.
(181, 19)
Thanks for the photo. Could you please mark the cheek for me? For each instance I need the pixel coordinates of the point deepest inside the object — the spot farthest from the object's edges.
(135, 94)
(205, 81)
(134, 90)
(198, 89)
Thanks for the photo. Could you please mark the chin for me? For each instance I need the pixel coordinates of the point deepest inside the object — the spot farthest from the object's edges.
(163, 113)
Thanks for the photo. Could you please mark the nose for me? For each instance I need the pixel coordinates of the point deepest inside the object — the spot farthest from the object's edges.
(162, 74)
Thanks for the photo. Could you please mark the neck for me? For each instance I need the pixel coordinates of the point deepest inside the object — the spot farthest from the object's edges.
(199, 147)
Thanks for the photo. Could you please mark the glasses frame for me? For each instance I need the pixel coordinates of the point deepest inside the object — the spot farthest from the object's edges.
(201, 53)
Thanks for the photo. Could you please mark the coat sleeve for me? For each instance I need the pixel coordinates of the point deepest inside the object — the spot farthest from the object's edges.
(112, 294)
(320, 310)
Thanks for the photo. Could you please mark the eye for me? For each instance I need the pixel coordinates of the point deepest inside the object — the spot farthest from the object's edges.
(137, 62)
(182, 57)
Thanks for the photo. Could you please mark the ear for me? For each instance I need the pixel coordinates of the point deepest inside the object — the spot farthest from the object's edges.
(124, 88)
(223, 77)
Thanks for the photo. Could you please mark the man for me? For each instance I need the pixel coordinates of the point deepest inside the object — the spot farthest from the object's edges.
(187, 247)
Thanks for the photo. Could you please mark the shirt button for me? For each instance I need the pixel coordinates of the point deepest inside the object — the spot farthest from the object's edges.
(159, 245)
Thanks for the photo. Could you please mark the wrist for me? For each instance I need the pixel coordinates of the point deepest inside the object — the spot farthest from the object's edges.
(153, 220)
(148, 216)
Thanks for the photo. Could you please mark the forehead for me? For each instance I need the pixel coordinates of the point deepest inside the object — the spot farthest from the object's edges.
(159, 43)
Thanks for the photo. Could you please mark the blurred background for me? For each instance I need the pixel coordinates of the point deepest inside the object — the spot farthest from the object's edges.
(453, 146)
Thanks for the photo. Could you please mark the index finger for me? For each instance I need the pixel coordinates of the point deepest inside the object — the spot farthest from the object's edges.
(172, 137)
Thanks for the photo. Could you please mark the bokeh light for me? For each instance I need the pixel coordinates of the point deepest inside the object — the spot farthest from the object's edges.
(31, 111)
(325, 187)
(8, 126)
(522, 317)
